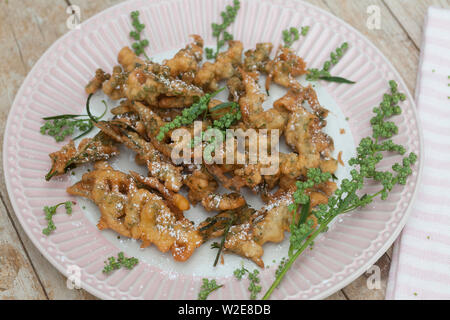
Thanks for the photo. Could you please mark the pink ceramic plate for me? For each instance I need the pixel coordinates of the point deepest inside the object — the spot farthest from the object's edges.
(56, 85)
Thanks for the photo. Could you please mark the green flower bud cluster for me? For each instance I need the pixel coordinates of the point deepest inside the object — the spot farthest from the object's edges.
(61, 128)
(229, 118)
(314, 176)
(293, 34)
(50, 212)
(207, 287)
(302, 229)
(112, 264)
(140, 45)
(316, 74)
(388, 108)
(254, 286)
(188, 115)
(219, 30)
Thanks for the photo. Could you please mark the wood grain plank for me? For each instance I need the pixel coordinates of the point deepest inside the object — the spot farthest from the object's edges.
(18, 279)
(339, 295)
(27, 29)
(391, 39)
(90, 8)
(411, 16)
(359, 289)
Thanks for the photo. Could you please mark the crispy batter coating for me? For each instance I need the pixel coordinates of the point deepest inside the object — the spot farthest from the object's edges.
(284, 68)
(251, 230)
(114, 87)
(109, 190)
(100, 147)
(222, 202)
(175, 201)
(256, 60)
(200, 184)
(223, 68)
(158, 166)
(149, 84)
(252, 110)
(96, 83)
(187, 59)
(128, 59)
(136, 212)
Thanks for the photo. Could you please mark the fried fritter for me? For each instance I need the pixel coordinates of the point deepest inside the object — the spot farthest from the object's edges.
(222, 202)
(184, 65)
(284, 68)
(97, 82)
(100, 147)
(136, 212)
(223, 68)
(252, 110)
(256, 60)
(114, 87)
(158, 166)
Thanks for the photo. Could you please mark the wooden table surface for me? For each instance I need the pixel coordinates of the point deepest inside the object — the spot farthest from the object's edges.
(29, 27)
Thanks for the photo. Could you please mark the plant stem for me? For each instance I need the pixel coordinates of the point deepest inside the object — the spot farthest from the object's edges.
(294, 257)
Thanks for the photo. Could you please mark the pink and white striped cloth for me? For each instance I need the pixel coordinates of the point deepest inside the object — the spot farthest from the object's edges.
(420, 266)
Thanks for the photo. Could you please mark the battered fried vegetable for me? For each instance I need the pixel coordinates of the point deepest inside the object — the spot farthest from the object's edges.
(114, 87)
(222, 202)
(136, 213)
(147, 85)
(100, 147)
(284, 68)
(128, 59)
(223, 68)
(200, 184)
(251, 230)
(256, 60)
(252, 110)
(158, 166)
(175, 201)
(97, 82)
(184, 64)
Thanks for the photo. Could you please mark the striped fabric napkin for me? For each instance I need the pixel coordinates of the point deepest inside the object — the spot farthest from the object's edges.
(420, 266)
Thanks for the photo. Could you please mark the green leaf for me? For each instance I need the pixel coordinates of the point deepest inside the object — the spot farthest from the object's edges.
(337, 79)
(223, 105)
(304, 213)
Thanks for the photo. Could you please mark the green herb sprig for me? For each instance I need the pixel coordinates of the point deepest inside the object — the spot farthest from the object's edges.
(140, 44)
(188, 115)
(220, 246)
(324, 73)
(50, 212)
(346, 198)
(229, 118)
(293, 34)
(62, 126)
(254, 286)
(219, 30)
(114, 264)
(301, 227)
(208, 287)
